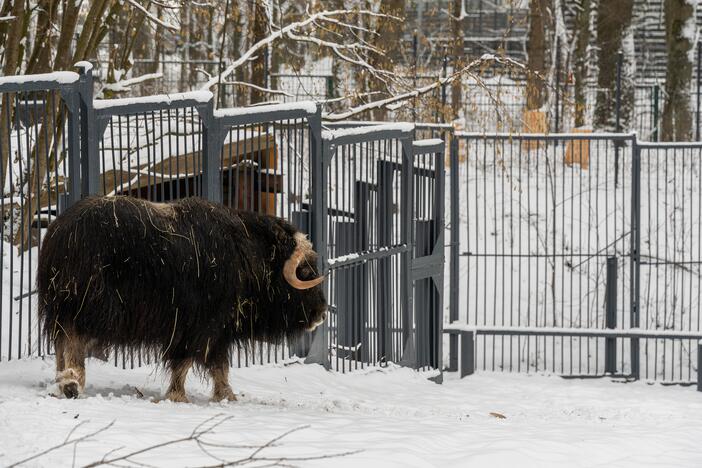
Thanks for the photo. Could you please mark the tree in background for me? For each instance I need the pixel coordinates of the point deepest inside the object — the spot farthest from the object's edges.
(679, 35)
(580, 60)
(538, 50)
(456, 51)
(613, 36)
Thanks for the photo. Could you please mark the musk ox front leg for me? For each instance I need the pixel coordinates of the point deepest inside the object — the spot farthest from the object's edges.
(70, 365)
(179, 371)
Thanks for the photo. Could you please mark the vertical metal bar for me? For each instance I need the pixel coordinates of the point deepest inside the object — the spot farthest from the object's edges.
(467, 353)
(321, 153)
(699, 89)
(90, 134)
(618, 127)
(455, 249)
(635, 251)
(558, 83)
(699, 366)
(415, 47)
(72, 100)
(611, 315)
(443, 91)
(212, 142)
(656, 94)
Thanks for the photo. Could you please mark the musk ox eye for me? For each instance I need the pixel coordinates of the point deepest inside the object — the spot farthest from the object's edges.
(306, 272)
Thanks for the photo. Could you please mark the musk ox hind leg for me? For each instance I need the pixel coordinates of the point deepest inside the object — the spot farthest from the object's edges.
(220, 378)
(179, 371)
(70, 365)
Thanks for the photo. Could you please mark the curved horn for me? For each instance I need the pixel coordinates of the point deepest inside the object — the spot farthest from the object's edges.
(291, 264)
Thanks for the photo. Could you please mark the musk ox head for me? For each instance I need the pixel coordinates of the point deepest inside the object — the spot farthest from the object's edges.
(304, 304)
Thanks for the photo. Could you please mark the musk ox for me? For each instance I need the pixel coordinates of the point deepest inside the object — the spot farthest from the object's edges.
(186, 280)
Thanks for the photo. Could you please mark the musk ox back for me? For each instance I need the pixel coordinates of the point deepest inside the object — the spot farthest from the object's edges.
(187, 279)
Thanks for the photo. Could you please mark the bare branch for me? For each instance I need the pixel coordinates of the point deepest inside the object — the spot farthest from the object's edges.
(153, 18)
(259, 88)
(123, 85)
(68, 441)
(381, 103)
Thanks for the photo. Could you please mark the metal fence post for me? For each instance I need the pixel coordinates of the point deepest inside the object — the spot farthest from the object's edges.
(89, 133)
(415, 59)
(699, 90)
(699, 366)
(558, 84)
(407, 237)
(656, 93)
(362, 197)
(454, 252)
(635, 251)
(212, 142)
(71, 97)
(320, 154)
(611, 315)
(384, 301)
(443, 89)
(617, 127)
(467, 353)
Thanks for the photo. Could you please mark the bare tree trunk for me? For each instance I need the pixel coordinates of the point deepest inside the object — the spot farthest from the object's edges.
(185, 45)
(51, 131)
(677, 118)
(5, 25)
(12, 59)
(236, 33)
(40, 58)
(580, 61)
(457, 52)
(389, 39)
(87, 41)
(538, 50)
(69, 18)
(613, 21)
(258, 66)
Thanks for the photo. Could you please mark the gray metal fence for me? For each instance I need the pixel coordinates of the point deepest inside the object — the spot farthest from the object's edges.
(576, 254)
(272, 159)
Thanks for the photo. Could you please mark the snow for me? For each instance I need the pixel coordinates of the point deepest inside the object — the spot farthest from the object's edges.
(367, 130)
(428, 142)
(304, 106)
(395, 416)
(197, 96)
(344, 258)
(84, 64)
(61, 77)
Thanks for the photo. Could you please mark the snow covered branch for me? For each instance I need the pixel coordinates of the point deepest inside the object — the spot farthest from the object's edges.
(259, 88)
(291, 31)
(123, 85)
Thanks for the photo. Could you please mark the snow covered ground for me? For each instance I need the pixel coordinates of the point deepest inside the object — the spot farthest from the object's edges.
(394, 416)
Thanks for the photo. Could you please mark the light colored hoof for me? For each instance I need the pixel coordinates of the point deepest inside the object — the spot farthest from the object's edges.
(226, 394)
(69, 383)
(177, 397)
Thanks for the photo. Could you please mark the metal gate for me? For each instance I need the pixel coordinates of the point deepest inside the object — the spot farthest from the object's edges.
(534, 220)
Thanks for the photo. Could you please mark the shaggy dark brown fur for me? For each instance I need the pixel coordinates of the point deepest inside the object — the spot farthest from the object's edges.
(187, 279)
